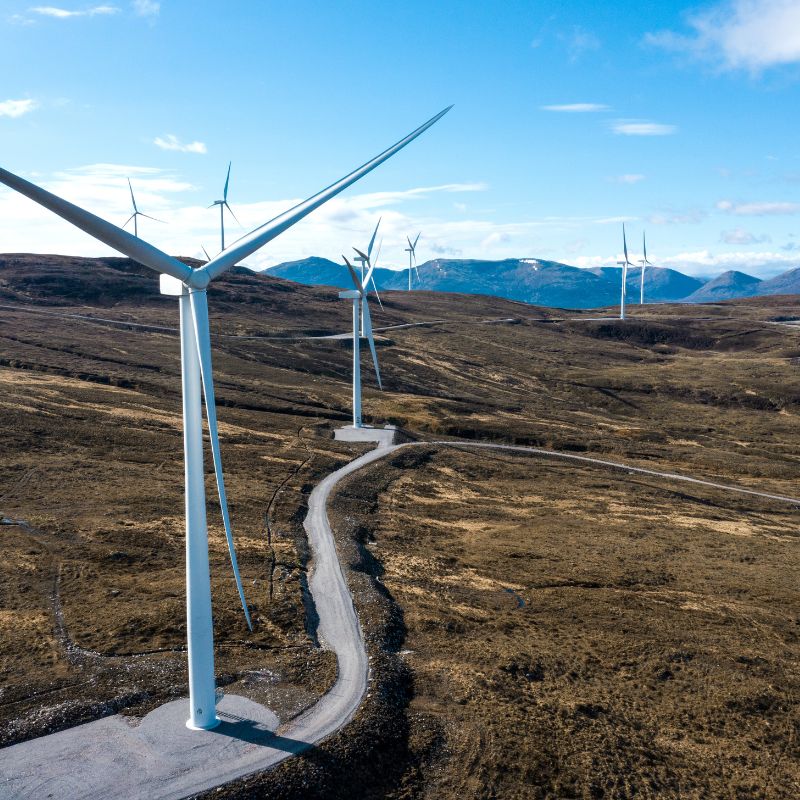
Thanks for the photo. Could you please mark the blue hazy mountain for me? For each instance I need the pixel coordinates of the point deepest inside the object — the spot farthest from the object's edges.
(547, 283)
(729, 285)
(661, 285)
(785, 283)
(528, 280)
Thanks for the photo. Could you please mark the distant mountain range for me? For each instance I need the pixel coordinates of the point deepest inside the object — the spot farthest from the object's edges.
(547, 283)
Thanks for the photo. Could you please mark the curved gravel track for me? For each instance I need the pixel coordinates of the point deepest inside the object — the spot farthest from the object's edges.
(159, 758)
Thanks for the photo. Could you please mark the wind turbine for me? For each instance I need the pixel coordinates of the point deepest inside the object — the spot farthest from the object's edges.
(412, 257)
(223, 204)
(365, 259)
(645, 263)
(136, 213)
(624, 264)
(190, 285)
(359, 297)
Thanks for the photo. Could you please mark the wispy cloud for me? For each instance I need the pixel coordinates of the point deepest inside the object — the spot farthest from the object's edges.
(64, 13)
(172, 142)
(577, 108)
(639, 127)
(629, 178)
(16, 108)
(146, 8)
(691, 216)
(739, 34)
(741, 236)
(579, 41)
(758, 209)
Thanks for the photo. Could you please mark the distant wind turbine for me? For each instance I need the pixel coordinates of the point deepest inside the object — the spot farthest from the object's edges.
(359, 296)
(624, 264)
(412, 258)
(645, 263)
(136, 213)
(189, 287)
(364, 259)
(223, 204)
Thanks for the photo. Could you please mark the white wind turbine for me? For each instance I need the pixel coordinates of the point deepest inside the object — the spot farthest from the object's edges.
(624, 264)
(412, 258)
(645, 263)
(190, 286)
(364, 259)
(223, 204)
(136, 214)
(359, 297)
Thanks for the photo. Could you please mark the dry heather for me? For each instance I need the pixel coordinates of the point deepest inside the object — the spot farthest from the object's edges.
(653, 654)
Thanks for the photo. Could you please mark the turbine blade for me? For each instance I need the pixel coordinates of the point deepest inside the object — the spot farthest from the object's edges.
(625, 243)
(199, 303)
(374, 234)
(147, 216)
(133, 199)
(227, 181)
(356, 281)
(233, 215)
(415, 268)
(208, 257)
(375, 287)
(128, 220)
(644, 245)
(371, 340)
(410, 246)
(364, 257)
(109, 234)
(375, 265)
(257, 238)
(414, 246)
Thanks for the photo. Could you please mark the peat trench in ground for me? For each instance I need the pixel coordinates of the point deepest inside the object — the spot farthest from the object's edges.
(339, 630)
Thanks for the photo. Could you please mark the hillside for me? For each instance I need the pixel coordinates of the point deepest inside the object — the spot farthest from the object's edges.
(785, 283)
(510, 634)
(661, 285)
(729, 285)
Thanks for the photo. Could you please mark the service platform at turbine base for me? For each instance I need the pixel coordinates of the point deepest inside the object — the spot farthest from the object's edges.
(384, 437)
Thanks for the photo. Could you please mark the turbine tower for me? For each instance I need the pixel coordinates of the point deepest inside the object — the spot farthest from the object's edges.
(136, 214)
(365, 259)
(645, 263)
(223, 204)
(359, 297)
(190, 286)
(412, 258)
(624, 264)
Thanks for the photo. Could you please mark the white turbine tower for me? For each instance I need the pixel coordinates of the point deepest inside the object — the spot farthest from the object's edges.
(359, 296)
(412, 258)
(624, 264)
(223, 204)
(190, 286)
(136, 214)
(645, 263)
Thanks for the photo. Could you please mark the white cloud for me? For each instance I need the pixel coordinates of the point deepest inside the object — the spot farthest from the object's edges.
(758, 209)
(741, 236)
(146, 8)
(16, 108)
(691, 216)
(633, 127)
(63, 13)
(739, 34)
(172, 142)
(704, 262)
(629, 178)
(577, 108)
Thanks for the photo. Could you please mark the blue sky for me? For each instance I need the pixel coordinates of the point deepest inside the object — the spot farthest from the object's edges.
(680, 118)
